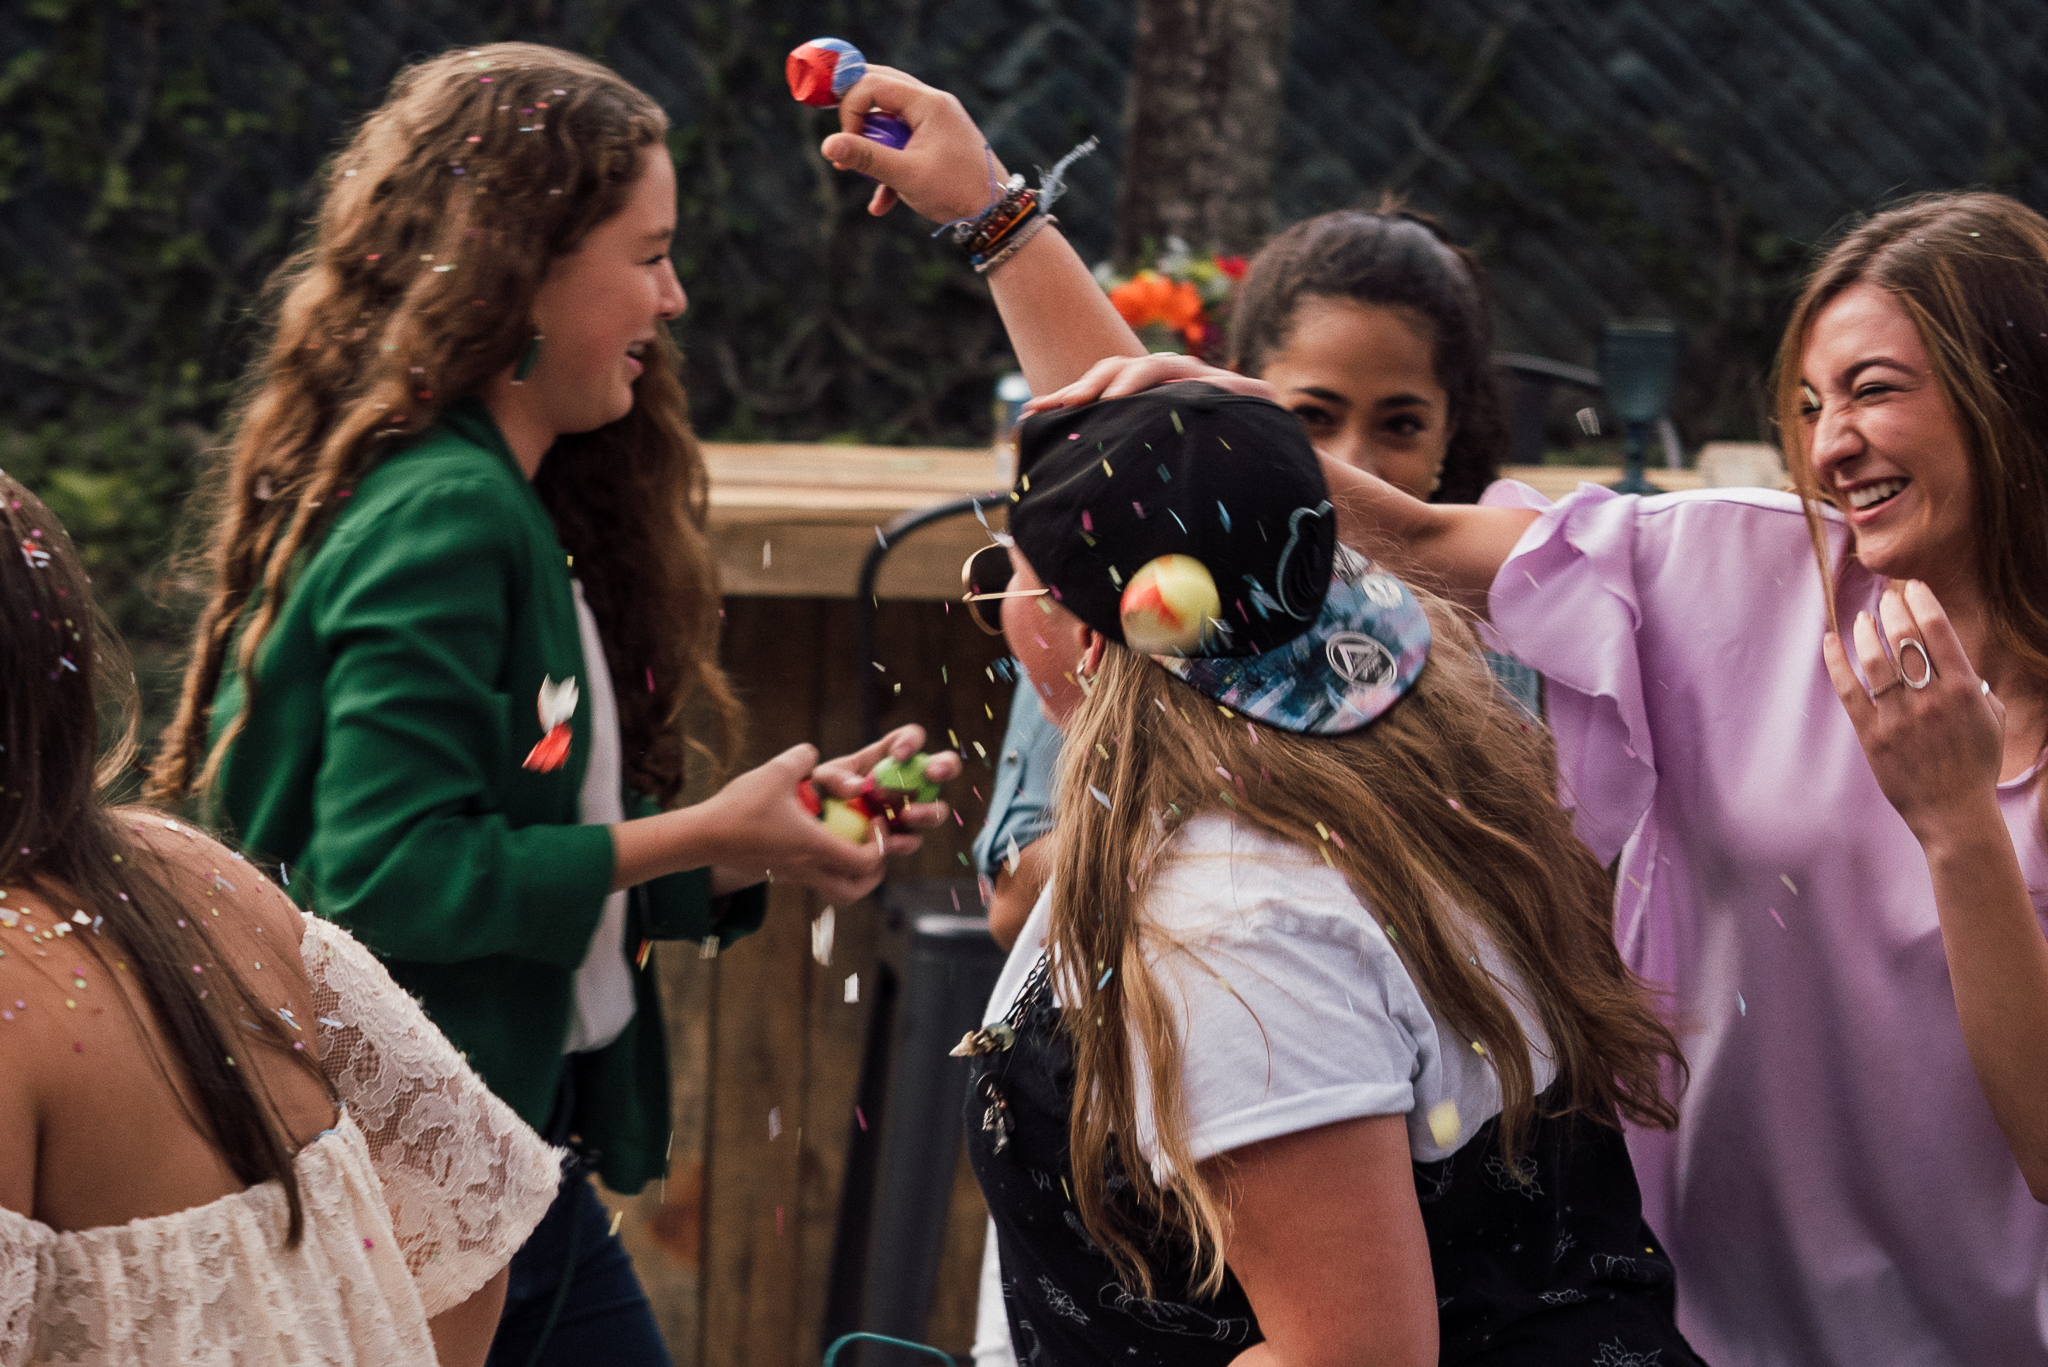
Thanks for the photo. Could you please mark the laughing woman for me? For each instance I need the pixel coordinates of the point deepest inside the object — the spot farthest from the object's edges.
(463, 596)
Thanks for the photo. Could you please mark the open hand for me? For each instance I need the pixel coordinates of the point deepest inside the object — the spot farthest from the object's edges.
(1932, 731)
(944, 172)
(1119, 377)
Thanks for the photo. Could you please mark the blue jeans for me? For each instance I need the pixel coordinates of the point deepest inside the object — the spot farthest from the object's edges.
(605, 1317)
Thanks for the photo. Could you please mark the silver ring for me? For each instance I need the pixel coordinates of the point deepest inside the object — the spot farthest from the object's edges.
(1927, 674)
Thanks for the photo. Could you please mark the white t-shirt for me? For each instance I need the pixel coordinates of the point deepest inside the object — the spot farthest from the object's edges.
(604, 984)
(1294, 1008)
(1244, 925)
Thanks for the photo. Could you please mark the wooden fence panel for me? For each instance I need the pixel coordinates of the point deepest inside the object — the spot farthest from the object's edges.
(736, 1253)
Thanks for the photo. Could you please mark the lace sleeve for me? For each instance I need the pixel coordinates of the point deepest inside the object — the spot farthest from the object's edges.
(466, 1180)
(22, 1243)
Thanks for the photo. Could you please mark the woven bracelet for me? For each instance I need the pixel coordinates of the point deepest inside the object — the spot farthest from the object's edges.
(1014, 244)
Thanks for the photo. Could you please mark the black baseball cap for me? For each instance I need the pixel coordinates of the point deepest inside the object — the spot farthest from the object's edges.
(1194, 525)
(1184, 520)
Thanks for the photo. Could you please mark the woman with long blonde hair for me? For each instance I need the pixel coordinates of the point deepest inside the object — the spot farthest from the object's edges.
(1316, 1046)
(462, 602)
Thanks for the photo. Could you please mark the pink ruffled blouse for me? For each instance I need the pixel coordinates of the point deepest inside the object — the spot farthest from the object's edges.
(1837, 1191)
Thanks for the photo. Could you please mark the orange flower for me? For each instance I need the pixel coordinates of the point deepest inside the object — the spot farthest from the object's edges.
(1149, 297)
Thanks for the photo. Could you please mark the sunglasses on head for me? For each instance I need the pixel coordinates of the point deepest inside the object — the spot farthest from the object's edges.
(985, 579)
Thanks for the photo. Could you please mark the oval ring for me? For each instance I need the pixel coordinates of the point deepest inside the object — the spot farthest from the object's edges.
(1927, 671)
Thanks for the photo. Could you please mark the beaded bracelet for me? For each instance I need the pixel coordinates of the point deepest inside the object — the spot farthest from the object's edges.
(1014, 244)
(977, 235)
(991, 244)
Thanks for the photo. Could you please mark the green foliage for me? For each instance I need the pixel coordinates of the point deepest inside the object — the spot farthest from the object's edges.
(117, 478)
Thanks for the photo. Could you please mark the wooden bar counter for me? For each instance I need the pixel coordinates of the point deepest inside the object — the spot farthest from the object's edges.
(735, 1247)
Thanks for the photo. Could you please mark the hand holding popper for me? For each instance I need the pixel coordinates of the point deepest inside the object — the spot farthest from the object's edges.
(820, 73)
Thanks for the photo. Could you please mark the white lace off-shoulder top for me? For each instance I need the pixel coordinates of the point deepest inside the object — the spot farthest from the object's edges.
(419, 1194)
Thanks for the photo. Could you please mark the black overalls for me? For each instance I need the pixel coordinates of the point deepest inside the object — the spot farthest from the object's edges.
(1553, 1266)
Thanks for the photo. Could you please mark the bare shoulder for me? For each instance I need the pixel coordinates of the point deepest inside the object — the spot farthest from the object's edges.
(209, 878)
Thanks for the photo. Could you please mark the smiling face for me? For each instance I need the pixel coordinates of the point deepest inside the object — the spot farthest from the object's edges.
(599, 307)
(1362, 379)
(1885, 441)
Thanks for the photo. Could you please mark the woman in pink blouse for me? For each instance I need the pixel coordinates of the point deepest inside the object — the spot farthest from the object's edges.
(1824, 790)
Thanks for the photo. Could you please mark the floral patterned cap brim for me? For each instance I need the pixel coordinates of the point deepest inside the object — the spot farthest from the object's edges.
(1366, 649)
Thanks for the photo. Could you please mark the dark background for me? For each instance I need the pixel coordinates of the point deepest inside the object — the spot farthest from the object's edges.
(1605, 157)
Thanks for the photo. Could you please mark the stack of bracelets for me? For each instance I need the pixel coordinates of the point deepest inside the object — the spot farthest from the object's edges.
(1008, 224)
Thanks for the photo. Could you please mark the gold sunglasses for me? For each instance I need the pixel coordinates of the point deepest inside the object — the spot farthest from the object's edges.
(985, 578)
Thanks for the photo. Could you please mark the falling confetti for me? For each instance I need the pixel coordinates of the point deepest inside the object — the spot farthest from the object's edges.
(1445, 1125)
(774, 1123)
(853, 995)
(821, 937)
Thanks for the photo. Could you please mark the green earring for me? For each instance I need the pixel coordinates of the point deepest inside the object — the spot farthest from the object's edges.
(528, 359)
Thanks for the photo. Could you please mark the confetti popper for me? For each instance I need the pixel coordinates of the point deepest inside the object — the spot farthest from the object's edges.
(823, 70)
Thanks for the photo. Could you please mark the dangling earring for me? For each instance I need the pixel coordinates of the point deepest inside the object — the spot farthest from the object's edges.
(528, 359)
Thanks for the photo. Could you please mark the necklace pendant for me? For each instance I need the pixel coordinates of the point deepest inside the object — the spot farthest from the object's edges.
(995, 1119)
(992, 1040)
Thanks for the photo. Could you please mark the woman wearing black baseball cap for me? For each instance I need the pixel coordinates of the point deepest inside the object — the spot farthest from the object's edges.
(1316, 1046)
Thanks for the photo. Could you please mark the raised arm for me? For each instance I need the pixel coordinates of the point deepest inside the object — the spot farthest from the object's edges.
(1454, 549)
(1059, 320)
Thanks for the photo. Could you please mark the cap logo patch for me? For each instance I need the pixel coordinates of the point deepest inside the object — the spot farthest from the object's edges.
(1359, 659)
(1298, 584)
(1382, 590)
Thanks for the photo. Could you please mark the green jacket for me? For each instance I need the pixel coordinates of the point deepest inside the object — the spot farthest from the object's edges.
(381, 764)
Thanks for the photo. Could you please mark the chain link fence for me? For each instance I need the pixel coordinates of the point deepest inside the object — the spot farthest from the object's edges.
(1606, 158)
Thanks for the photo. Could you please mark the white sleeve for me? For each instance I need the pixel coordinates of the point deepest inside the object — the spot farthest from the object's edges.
(1294, 1009)
(22, 1243)
(465, 1178)
(992, 1346)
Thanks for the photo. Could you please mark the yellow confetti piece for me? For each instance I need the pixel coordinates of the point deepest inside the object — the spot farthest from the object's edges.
(1445, 1125)
(1786, 879)
(618, 1218)
(1322, 830)
(1478, 1048)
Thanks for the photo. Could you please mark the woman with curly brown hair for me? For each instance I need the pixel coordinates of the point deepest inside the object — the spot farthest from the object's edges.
(462, 599)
